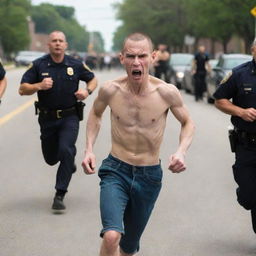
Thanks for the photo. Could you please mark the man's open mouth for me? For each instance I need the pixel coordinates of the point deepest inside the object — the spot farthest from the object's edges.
(136, 73)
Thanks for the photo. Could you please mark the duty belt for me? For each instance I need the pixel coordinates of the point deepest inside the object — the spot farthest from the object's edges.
(246, 137)
(56, 113)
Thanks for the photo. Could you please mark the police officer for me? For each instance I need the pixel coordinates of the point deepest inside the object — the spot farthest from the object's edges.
(200, 66)
(55, 78)
(3, 82)
(240, 86)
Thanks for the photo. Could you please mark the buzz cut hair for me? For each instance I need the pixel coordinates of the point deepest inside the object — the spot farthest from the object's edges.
(59, 32)
(137, 36)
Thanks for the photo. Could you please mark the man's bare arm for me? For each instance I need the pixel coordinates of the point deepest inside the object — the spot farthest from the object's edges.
(177, 163)
(92, 129)
(248, 114)
(3, 84)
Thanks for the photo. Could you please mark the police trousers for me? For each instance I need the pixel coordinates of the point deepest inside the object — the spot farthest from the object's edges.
(200, 84)
(244, 171)
(58, 138)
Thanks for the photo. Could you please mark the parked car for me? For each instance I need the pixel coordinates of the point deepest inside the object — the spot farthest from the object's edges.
(225, 64)
(24, 58)
(178, 63)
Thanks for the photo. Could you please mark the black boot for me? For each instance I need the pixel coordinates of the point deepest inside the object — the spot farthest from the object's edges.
(58, 201)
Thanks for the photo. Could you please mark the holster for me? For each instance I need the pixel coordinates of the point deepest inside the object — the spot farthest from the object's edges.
(36, 104)
(233, 139)
(80, 110)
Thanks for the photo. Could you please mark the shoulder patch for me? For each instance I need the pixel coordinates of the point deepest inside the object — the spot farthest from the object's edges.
(30, 66)
(86, 67)
(225, 79)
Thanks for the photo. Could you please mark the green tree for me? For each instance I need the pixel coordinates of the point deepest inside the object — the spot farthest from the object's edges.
(49, 17)
(46, 18)
(163, 20)
(168, 21)
(14, 34)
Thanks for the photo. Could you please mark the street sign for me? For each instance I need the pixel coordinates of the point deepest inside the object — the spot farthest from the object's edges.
(189, 40)
(253, 11)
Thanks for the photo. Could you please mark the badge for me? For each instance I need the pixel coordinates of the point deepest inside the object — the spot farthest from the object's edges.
(86, 67)
(70, 71)
(45, 74)
(225, 79)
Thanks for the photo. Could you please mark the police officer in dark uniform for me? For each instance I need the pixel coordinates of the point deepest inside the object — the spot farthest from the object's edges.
(240, 86)
(199, 69)
(55, 78)
(3, 82)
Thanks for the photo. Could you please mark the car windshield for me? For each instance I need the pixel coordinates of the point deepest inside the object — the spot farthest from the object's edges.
(233, 62)
(180, 59)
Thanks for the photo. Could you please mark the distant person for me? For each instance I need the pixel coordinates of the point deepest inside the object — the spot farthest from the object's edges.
(200, 67)
(55, 78)
(161, 63)
(107, 61)
(3, 81)
(236, 96)
(131, 175)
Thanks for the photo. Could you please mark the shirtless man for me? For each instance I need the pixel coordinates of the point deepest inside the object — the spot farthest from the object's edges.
(131, 175)
(161, 63)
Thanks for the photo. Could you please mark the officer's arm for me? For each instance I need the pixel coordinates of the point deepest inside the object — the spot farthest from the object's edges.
(208, 66)
(228, 107)
(3, 84)
(29, 89)
(193, 66)
(92, 84)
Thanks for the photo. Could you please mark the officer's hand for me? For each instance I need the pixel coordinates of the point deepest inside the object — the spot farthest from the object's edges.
(81, 94)
(46, 84)
(177, 163)
(89, 163)
(249, 114)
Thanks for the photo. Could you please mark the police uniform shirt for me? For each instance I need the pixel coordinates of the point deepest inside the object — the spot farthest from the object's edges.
(65, 76)
(2, 72)
(240, 86)
(201, 58)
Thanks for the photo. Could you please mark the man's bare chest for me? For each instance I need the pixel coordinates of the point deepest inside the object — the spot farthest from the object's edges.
(138, 110)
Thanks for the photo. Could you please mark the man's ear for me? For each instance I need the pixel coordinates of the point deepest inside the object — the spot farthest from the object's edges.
(66, 47)
(153, 54)
(121, 58)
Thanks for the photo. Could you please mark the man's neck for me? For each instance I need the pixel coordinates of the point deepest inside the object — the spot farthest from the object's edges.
(57, 58)
(137, 89)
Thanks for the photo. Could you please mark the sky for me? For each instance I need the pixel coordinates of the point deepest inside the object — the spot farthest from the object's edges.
(96, 15)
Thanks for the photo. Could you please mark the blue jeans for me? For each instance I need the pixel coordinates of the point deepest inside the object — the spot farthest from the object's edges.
(127, 197)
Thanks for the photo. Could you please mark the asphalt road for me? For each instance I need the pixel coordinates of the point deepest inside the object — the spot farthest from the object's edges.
(196, 213)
